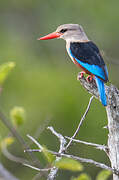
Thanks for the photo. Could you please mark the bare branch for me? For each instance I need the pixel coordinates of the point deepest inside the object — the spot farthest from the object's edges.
(97, 146)
(37, 169)
(80, 123)
(36, 142)
(84, 160)
(62, 140)
(60, 137)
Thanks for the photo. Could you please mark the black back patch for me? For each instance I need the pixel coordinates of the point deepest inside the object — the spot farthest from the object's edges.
(87, 52)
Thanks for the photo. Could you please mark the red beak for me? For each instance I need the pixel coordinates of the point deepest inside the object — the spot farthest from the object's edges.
(50, 36)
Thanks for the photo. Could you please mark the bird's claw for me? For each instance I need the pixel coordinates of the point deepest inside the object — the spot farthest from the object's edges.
(89, 79)
(80, 75)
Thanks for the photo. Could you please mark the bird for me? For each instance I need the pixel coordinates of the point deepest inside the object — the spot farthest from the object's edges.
(84, 53)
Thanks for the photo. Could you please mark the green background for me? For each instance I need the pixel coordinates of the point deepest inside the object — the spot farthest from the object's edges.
(44, 79)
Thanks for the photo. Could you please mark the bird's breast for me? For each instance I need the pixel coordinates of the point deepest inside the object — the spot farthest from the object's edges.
(68, 51)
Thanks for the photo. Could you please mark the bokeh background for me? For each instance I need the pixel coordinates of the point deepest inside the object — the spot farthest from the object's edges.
(44, 79)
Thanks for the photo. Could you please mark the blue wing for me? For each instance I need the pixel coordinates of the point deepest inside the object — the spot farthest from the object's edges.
(101, 90)
(87, 55)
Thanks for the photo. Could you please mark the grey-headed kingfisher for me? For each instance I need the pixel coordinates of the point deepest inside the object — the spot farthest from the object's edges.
(83, 53)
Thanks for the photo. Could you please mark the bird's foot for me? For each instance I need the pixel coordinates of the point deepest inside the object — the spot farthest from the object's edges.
(89, 79)
(80, 75)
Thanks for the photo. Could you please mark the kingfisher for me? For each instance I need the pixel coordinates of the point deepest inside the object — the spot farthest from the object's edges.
(84, 53)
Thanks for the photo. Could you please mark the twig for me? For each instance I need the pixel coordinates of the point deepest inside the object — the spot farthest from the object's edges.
(80, 123)
(97, 146)
(60, 137)
(62, 140)
(37, 169)
(36, 142)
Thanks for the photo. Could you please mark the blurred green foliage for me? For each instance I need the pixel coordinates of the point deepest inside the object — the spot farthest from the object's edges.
(5, 69)
(48, 156)
(83, 176)
(44, 80)
(104, 174)
(17, 115)
(68, 164)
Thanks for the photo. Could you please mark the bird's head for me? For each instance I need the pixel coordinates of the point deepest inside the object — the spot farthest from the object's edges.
(68, 32)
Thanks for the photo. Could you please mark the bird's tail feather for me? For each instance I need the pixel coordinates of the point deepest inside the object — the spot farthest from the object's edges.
(101, 89)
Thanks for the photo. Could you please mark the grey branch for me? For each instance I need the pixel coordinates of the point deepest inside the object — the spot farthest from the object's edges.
(112, 110)
(80, 123)
(97, 146)
(37, 169)
(62, 140)
(84, 160)
(36, 142)
(60, 137)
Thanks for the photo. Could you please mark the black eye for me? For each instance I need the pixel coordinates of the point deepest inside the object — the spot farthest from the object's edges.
(63, 30)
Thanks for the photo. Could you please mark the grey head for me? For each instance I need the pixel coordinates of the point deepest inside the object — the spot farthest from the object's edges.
(72, 32)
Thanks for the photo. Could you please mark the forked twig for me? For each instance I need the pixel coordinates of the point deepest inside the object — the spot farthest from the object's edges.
(80, 123)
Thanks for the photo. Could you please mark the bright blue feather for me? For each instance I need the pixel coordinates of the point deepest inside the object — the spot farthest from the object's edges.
(101, 89)
(97, 71)
(94, 69)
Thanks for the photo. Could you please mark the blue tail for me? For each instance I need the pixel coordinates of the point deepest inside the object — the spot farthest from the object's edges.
(101, 89)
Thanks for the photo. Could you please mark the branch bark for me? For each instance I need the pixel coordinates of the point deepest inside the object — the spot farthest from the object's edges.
(112, 110)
